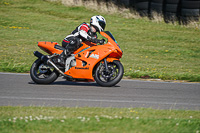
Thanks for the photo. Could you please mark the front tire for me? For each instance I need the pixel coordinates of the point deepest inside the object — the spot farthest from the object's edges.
(111, 77)
(42, 73)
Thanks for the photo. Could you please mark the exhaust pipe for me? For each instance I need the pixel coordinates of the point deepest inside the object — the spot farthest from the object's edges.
(41, 56)
(52, 64)
(48, 61)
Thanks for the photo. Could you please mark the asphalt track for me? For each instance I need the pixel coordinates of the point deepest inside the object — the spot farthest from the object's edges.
(20, 90)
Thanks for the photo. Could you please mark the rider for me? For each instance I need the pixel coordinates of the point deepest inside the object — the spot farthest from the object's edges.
(84, 32)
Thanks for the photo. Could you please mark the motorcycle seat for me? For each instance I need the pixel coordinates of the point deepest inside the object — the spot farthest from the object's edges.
(59, 47)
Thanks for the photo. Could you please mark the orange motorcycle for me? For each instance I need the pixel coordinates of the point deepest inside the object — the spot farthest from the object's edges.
(91, 62)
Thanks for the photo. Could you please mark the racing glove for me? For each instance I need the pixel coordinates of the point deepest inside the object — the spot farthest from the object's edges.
(101, 41)
(95, 40)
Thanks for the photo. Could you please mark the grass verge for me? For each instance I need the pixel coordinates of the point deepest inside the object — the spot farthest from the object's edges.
(112, 120)
(151, 49)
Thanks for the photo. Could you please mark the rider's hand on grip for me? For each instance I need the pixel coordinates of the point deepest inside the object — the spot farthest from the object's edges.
(101, 41)
(93, 39)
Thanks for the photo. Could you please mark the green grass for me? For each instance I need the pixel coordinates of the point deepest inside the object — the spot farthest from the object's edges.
(151, 49)
(110, 120)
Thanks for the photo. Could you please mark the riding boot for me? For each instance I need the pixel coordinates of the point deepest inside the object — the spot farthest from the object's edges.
(63, 56)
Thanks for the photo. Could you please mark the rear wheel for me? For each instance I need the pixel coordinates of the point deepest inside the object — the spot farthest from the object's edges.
(42, 73)
(112, 76)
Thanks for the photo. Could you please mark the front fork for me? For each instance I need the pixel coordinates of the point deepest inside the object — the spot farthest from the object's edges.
(106, 64)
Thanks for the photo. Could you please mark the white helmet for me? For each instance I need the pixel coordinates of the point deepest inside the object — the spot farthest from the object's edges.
(98, 22)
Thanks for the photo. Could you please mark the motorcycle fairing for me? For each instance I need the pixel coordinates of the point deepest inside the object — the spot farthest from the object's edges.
(91, 57)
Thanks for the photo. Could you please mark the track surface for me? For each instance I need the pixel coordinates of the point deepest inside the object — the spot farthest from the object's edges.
(19, 89)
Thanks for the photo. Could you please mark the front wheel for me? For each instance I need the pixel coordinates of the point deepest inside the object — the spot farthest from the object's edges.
(42, 73)
(111, 76)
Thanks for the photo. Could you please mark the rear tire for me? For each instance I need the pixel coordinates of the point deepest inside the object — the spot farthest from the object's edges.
(42, 73)
(111, 78)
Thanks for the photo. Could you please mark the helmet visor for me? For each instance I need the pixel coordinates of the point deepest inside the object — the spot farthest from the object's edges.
(102, 24)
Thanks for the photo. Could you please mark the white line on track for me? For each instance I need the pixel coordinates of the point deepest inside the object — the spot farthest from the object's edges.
(95, 100)
(6, 73)
(130, 80)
